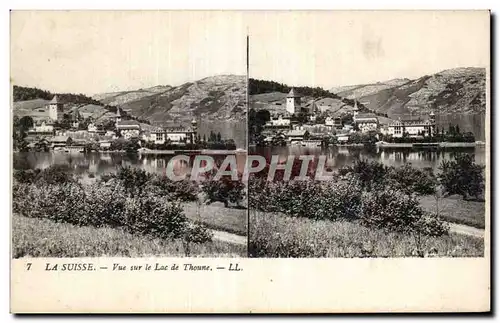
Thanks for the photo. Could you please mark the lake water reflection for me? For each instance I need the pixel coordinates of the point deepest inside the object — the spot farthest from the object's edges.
(103, 163)
(341, 156)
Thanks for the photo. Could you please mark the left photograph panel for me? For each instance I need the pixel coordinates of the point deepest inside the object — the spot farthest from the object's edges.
(128, 134)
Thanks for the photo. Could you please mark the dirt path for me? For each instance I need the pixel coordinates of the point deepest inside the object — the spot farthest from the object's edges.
(466, 230)
(229, 237)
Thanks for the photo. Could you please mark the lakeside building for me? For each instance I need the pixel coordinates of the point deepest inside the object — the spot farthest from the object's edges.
(365, 122)
(180, 134)
(333, 123)
(37, 142)
(41, 127)
(279, 120)
(415, 127)
(105, 144)
(296, 136)
(177, 134)
(92, 128)
(384, 130)
(60, 141)
(128, 128)
(343, 137)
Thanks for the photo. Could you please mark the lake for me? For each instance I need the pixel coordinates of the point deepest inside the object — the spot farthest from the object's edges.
(342, 156)
(103, 163)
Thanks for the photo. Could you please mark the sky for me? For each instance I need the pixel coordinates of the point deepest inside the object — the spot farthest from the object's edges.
(105, 51)
(328, 49)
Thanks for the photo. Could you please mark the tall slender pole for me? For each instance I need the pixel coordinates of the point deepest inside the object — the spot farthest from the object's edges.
(248, 88)
(248, 138)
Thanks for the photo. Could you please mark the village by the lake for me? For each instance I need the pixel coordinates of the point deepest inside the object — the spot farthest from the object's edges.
(62, 148)
(407, 162)
(53, 128)
(92, 141)
(407, 156)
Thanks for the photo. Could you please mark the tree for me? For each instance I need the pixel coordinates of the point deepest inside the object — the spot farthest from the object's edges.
(462, 176)
(219, 137)
(256, 122)
(212, 137)
(132, 145)
(263, 116)
(63, 124)
(25, 123)
(468, 137)
(300, 117)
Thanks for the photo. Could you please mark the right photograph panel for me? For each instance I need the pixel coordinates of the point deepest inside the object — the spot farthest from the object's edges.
(368, 134)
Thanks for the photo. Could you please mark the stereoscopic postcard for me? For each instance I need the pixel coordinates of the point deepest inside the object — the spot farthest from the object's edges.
(250, 161)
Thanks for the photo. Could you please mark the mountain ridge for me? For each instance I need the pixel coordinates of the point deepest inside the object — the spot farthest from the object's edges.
(457, 90)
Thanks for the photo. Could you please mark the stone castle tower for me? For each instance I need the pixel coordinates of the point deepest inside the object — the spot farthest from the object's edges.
(56, 109)
(292, 102)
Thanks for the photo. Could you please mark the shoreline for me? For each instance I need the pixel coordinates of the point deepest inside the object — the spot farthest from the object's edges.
(195, 151)
(424, 145)
(152, 152)
(427, 145)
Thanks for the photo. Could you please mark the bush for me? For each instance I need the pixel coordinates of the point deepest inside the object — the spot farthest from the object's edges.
(312, 199)
(26, 176)
(184, 190)
(107, 177)
(369, 173)
(99, 205)
(133, 179)
(385, 207)
(102, 206)
(224, 190)
(55, 174)
(410, 179)
(261, 194)
(462, 176)
(58, 202)
(153, 215)
(396, 211)
(197, 233)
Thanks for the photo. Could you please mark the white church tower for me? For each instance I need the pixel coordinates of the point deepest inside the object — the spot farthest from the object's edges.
(356, 109)
(56, 109)
(118, 118)
(292, 102)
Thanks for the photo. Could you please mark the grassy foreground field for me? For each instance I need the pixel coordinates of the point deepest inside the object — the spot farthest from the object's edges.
(276, 235)
(45, 238)
(218, 217)
(457, 210)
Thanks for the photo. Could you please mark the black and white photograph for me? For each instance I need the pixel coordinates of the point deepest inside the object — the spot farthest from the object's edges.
(104, 112)
(244, 161)
(374, 137)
